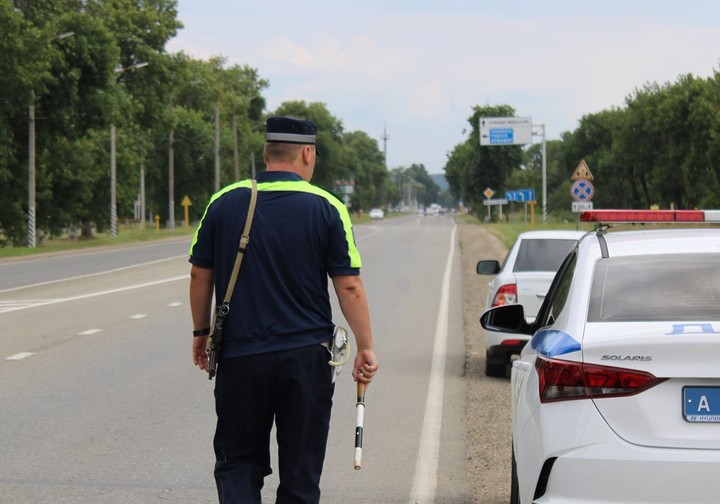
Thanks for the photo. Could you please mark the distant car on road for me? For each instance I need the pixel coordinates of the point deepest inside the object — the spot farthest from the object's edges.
(524, 278)
(377, 213)
(616, 398)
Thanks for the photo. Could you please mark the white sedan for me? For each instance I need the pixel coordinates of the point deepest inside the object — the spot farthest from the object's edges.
(616, 398)
(377, 213)
(524, 278)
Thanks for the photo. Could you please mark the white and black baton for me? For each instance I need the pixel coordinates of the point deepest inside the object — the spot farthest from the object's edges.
(360, 407)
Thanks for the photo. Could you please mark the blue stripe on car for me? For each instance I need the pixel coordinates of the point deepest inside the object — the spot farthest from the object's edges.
(551, 343)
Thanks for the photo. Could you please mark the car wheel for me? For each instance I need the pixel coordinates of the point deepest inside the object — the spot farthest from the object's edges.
(514, 486)
(495, 369)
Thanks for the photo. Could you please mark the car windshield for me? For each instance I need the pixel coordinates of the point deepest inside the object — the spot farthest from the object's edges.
(542, 254)
(656, 288)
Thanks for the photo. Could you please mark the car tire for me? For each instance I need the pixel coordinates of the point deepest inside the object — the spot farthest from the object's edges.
(514, 485)
(495, 369)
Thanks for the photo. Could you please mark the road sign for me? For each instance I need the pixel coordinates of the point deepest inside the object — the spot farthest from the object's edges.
(578, 206)
(522, 195)
(186, 203)
(492, 202)
(582, 190)
(488, 192)
(505, 130)
(582, 172)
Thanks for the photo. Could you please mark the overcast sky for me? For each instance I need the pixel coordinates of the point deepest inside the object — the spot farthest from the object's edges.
(417, 67)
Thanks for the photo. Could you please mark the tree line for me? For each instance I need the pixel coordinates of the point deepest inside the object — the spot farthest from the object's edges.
(77, 73)
(82, 73)
(662, 148)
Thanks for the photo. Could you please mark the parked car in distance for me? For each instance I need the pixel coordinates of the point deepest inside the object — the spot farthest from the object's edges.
(377, 213)
(616, 398)
(524, 277)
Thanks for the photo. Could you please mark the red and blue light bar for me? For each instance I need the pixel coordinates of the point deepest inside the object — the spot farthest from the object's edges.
(650, 216)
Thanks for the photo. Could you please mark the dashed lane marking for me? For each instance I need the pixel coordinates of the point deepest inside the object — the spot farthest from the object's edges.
(20, 356)
(15, 305)
(90, 332)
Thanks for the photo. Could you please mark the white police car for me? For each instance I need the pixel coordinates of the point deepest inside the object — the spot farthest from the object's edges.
(616, 398)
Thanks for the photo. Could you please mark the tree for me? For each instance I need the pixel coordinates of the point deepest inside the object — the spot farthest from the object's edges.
(366, 163)
(428, 190)
(471, 169)
(330, 164)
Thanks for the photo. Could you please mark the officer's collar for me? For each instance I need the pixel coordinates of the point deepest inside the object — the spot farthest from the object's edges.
(276, 176)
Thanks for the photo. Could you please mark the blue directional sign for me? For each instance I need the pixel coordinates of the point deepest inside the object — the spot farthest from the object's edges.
(505, 130)
(502, 136)
(526, 195)
(522, 195)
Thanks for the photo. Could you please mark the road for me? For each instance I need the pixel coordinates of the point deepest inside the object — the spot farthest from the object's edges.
(101, 403)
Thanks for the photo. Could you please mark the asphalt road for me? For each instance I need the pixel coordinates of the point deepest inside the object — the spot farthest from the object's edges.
(101, 403)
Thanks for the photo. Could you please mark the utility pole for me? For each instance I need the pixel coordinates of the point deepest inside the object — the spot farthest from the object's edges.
(113, 184)
(31, 174)
(171, 179)
(31, 242)
(142, 197)
(217, 147)
(113, 168)
(236, 157)
(385, 138)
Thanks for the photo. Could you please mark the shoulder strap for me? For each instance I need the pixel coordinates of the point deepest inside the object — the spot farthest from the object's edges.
(244, 240)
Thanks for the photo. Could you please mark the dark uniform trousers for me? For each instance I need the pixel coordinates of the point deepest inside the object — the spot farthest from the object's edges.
(294, 388)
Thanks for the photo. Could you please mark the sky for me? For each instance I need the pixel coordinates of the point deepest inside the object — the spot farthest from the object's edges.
(412, 70)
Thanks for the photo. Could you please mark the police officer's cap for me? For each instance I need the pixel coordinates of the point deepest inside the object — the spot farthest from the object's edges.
(290, 130)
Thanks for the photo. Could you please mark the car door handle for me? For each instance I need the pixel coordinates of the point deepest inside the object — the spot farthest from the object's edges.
(541, 295)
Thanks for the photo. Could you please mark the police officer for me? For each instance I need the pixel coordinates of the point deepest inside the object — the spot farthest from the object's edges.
(274, 361)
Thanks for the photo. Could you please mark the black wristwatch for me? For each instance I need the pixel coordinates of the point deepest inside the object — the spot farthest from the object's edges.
(201, 332)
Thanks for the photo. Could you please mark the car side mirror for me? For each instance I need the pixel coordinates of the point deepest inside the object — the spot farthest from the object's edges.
(507, 318)
(488, 267)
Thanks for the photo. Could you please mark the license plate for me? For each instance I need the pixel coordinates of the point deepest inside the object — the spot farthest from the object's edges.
(701, 404)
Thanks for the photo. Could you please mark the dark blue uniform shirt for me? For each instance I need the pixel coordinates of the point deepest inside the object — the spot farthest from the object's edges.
(300, 235)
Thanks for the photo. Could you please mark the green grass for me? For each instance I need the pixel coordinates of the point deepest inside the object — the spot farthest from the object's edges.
(515, 224)
(126, 234)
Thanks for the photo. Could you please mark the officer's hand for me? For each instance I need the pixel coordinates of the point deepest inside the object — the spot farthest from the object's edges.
(200, 357)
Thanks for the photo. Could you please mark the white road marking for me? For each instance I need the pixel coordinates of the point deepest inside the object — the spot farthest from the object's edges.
(22, 306)
(89, 275)
(12, 305)
(20, 356)
(138, 316)
(90, 332)
(173, 305)
(425, 479)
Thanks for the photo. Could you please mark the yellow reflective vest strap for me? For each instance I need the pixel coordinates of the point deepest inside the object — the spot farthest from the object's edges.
(300, 186)
(236, 185)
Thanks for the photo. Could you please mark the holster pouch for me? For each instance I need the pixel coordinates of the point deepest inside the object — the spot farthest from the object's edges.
(339, 348)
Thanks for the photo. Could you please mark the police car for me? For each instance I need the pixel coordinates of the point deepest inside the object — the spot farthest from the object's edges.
(616, 398)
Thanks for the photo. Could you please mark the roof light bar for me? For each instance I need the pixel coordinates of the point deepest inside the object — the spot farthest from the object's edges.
(605, 216)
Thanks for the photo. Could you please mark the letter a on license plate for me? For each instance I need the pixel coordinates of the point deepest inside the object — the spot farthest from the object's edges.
(701, 404)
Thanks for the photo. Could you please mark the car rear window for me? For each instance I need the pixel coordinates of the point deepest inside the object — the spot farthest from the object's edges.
(542, 254)
(656, 288)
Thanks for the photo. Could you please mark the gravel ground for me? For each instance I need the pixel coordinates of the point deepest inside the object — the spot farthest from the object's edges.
(488, 401)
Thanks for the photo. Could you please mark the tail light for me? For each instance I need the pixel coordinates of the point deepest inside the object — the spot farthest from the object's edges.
(564, 380)
(507, 294)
